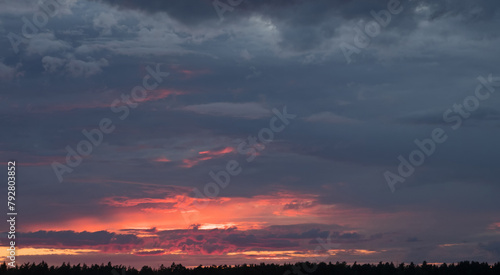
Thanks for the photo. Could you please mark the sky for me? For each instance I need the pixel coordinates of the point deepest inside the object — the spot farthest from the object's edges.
(229, 132)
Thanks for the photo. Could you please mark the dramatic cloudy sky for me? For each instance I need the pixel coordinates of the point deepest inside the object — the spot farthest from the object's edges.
(317, 191)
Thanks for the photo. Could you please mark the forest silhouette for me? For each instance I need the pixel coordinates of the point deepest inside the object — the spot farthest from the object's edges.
(301, 268)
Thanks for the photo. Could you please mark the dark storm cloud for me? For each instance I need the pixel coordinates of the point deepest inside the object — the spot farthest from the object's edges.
(301, 23)
(76, 239)
(188, 12)
(306, 25)
(251, 241)
(313, 233)
(482, 10)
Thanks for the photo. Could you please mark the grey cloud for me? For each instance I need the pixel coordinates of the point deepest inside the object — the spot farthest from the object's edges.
(44, 43)
(85, 68)
(436, 117)
(250, 110)
(9, 72)
(74, 67)
(493, 247)
(329, 117)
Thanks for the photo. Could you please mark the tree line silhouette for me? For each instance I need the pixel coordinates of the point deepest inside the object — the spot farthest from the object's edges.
(301, 268)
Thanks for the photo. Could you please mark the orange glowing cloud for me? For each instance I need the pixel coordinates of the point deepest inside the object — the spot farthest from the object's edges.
(181, 210)
(224, 151)
(260, 227)
(162, 159)
(206, 155)
(352, 251)
(188, 163)
(300, 255)
(51, 251)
